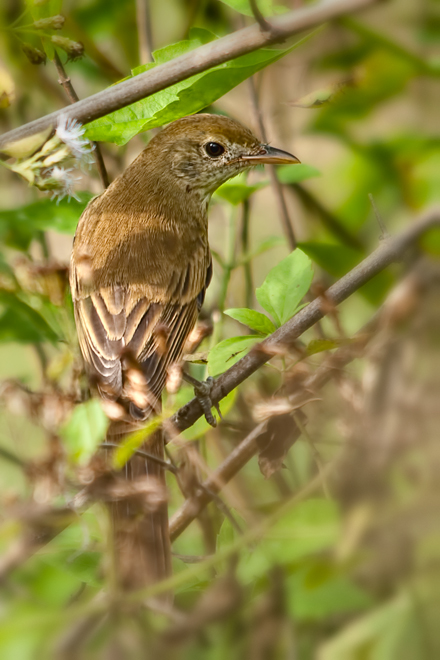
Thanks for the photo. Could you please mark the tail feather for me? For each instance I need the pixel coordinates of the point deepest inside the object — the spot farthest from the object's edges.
(139, 520)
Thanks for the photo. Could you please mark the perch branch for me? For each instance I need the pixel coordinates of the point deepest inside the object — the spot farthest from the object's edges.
(205, 57)
(248, 447)
(389, 250)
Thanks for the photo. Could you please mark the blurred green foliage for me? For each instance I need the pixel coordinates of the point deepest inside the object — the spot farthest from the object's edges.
(351, 577)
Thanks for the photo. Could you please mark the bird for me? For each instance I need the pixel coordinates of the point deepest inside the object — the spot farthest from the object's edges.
(140, 268)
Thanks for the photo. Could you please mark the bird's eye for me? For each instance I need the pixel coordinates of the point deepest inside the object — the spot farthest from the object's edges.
(214, 149)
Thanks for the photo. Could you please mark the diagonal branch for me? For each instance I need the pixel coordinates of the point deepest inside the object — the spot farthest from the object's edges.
(205, 57)
(248, 447)
(389, 251)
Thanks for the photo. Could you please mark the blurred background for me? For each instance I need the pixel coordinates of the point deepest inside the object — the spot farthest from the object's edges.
(348, 569)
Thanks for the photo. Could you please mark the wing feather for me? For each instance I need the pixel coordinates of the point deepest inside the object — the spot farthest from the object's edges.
(114, 321)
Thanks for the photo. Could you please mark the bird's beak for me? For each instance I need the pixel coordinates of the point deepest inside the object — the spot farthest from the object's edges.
(271, 156)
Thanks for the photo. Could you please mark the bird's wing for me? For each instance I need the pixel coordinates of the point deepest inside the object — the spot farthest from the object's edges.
(114, 322)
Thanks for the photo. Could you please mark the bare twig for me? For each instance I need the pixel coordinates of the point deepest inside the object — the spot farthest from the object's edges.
(12, 458)
(192, 506)
(65, 81)
(389, 251)
(248, 283)
(264, 25)
(216, 52)
(145, 38)
(248, 447)
(276, 186)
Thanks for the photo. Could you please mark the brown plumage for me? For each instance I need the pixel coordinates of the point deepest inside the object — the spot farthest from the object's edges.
(140, 268)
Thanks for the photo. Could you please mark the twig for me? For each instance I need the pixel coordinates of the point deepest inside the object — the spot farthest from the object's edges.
(276, 185)
(192, 506)
(65, 81)
(12, 458)
(389, 251)
(383, 230)
(145, 38)
(264, 25)
(248, 447)
(144, 454)
(316, 455)
(181, 68)
(248, 283)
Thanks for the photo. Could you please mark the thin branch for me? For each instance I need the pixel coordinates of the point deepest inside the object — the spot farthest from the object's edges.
(248, 282)
(65, 81)
(12, 458)
(388, 252)
(276, 185)
(145, 37)
(192, 506)
(264, 25)
(181, 68)
(248, 447)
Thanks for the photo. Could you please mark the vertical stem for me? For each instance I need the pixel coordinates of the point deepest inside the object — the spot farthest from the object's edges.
(276, 185)
(145, 37)
(248, 283)
(229, 261)
(73, 98)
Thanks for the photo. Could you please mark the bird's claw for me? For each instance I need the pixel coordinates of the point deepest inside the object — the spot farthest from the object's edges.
(202, 392)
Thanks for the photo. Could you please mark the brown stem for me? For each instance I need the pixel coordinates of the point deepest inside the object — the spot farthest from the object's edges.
(276, 186)
(66, 83)
(264, 25)
(145, 37)
(181, 68)
(248, 447)
(249, 286)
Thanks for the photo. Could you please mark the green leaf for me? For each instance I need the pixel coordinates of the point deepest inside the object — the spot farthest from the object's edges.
(84, 431)
(134, 441)
(255, 320)
(21, 323)
(83, 565)
(335, 259)
(228, 352)
(296, 173)
(316, 591)
(20, 225)
(379, 631)
(237, 190)
(430, 242)
(285, 286)
(311, 527)
(184, 98)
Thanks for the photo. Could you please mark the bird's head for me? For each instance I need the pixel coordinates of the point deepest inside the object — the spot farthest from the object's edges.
(203, 151)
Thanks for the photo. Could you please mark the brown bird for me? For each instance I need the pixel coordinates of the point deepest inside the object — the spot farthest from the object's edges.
(139, 271)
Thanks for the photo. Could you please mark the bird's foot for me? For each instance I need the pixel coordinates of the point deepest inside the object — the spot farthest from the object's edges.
(202, 392)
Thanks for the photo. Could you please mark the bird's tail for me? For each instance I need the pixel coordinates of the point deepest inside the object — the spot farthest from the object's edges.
(139, 517)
